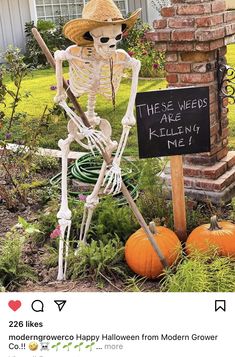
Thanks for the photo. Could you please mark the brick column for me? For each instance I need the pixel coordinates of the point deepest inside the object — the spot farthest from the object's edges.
(193, 33)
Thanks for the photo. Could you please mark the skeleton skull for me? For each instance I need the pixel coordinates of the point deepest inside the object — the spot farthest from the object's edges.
(106, 39)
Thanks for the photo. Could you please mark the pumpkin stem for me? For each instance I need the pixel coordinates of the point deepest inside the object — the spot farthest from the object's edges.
(214, 224)
(152, 227)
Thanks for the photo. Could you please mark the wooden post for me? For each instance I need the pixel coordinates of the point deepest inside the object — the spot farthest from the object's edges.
(106, 157)
(178, 197)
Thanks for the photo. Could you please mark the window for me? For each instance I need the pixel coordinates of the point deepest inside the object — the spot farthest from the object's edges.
(68, 9)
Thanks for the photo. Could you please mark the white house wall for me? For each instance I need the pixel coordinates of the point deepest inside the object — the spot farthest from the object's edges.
(13, 16)
(135, 4)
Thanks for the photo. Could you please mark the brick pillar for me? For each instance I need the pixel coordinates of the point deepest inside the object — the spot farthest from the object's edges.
(193, 33)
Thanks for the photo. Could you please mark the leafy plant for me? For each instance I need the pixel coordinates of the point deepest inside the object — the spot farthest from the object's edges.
(53, 36)
(153, 202)
(135, 283)
(201, 272)
(110, 219)
(13, 271)
(97, 260)
(17, 164)
(138, 46)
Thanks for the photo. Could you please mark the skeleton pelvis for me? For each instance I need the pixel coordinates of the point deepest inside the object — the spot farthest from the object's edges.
(104, 127)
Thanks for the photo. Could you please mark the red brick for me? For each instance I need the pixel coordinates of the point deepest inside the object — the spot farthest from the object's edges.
(168, 11)
(160, 35)
(200, 159)
(229, 159)
(214, 45)
(230, 29)
(204, 46)
(202, 67)
(213, 97)
(229, 16)
(197, 77)
(214, 123)
(183, 35)
(172, 78)
(179, 22)
(177, 67)
(218, 6)
(212, 34)
(212, 172)
(171, 57)
(213, 139)
(213, 107)
(194, 9)
(197, 56)
(180, 47)
(222, 153)
(161, 47)
(160, 24)
(224, 133)
(207, 21)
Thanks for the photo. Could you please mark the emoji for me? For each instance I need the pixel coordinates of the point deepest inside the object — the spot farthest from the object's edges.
(44, 346)
(33, 346)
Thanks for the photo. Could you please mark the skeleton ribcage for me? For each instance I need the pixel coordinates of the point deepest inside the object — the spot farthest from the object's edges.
(87, 77)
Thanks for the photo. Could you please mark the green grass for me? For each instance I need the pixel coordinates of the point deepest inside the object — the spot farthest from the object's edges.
(39, 83)
(231, 62)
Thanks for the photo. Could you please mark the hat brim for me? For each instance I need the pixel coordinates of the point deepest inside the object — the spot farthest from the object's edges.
(76, 29)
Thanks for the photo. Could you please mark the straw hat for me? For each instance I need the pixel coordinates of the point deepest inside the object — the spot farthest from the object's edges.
(96, 13)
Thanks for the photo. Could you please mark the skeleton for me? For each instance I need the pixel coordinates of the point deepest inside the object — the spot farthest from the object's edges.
(93, 70)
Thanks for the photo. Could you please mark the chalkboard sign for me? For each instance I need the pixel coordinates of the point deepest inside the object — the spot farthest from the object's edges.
(173, 121)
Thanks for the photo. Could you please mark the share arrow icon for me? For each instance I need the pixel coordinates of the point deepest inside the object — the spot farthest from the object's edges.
(60, 304)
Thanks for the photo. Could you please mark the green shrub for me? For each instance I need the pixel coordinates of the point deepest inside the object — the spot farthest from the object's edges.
(138, 46)
(201, 272)
(53, 37)
(98, 260)
(110, 219)
(13, 270)
(153, 202)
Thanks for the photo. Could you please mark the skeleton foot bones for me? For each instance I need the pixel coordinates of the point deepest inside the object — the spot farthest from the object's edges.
(96, 67)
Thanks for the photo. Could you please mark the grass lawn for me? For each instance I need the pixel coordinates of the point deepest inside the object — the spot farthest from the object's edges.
(40, 82)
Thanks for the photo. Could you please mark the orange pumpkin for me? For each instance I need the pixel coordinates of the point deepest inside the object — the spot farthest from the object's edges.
(140, 255)
(220, 235)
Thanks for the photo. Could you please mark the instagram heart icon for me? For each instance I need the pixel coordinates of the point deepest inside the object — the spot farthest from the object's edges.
(14, 304)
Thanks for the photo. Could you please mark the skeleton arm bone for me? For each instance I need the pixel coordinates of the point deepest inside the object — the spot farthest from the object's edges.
(95, 138)
(61, 95)
(113, 176)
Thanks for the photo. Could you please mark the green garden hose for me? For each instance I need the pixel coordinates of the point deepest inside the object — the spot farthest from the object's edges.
(86, 170)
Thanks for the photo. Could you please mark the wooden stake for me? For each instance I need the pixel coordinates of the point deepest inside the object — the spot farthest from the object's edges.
(106, 157)
(178, 197)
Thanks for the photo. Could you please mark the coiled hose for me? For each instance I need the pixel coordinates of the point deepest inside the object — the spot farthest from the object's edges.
(86, 170)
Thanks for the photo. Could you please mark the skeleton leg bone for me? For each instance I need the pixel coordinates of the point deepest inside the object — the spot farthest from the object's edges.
(91, 202)
(64, 214)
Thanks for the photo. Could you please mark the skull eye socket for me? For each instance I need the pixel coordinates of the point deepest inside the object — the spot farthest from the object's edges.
(104, 39)
(118, 37)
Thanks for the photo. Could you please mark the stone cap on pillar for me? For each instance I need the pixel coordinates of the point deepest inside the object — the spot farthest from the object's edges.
(194, 25)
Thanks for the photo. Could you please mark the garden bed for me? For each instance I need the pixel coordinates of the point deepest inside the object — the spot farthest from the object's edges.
(28, 260)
